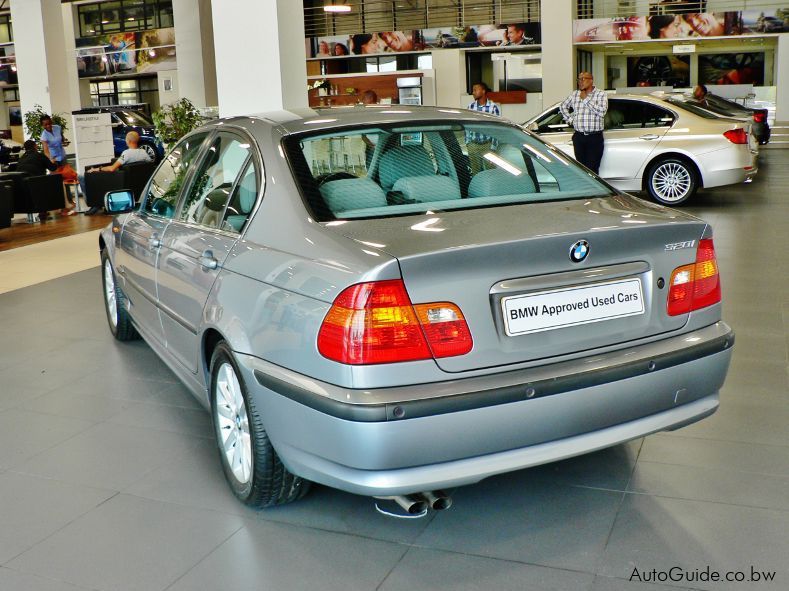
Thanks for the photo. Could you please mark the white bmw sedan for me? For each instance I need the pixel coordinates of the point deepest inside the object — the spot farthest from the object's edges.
(662, 146)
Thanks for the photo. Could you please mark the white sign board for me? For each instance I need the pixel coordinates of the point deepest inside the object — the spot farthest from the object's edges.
(93, 136)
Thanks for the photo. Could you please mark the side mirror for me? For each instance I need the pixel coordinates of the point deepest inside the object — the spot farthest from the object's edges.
(119, 201)
(533, 127)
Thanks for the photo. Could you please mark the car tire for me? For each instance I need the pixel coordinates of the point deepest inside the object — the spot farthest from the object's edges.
(252, 467)
(151, 151)
(671, 181)
(118, 317)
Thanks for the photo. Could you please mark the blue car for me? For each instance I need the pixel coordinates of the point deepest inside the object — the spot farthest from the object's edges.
(126, 120)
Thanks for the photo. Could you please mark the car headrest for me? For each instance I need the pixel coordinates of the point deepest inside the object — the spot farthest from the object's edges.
(346, 194)
(404, 161)
(426, 189)
(495, 182)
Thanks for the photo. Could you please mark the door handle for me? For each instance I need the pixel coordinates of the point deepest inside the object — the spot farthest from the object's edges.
(649, 136)
(207, 260)
(154, 242)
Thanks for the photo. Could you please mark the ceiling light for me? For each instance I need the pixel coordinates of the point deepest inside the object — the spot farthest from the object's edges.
(336, 8)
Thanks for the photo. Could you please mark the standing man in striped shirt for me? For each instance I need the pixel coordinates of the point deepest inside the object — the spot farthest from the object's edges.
(585, 110)
(477, 143)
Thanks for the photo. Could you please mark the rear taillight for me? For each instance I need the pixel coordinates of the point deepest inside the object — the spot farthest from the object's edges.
(376, 323)
(737, 136)
(759, 117)
(695, 286)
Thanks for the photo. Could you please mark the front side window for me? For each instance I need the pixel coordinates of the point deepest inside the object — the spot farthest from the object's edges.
(215, 180)
(168, 179)
(391, 170)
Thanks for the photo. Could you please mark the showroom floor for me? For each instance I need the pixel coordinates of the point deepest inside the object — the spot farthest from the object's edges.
(109, 479)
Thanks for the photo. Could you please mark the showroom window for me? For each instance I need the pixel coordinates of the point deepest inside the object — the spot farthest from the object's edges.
(6, 31)
(124, 15)
(124, 92)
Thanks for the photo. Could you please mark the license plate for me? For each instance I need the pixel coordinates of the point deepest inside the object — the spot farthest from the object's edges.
(560, 308)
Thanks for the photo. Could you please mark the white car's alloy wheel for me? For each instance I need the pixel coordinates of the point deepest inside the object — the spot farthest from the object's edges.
(671, 182)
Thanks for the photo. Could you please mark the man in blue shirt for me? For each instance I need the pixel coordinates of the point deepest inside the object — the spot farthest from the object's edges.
(585, 110)
(479, 144)
(53, 141)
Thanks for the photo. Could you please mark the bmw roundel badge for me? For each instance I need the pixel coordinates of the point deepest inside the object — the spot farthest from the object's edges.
(579, 251)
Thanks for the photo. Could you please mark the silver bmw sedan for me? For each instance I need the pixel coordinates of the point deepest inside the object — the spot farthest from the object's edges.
(394, 301)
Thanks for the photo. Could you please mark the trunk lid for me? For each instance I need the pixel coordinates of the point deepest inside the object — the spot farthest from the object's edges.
(492, 261)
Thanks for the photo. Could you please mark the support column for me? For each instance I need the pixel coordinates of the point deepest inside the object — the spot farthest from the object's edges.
(194, 38)
(41, 56)
(260, 55)
(782, 78)
(558, 53)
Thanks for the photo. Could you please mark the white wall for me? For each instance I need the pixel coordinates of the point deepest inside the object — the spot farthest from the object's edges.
(260, 58)
(169, 96)
(450, 72)
(194, 38)
(558, 65)
(782, 78)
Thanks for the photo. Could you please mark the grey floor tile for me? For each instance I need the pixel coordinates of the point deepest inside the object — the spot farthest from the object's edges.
(426, 569)
(335, 510)
(636, 584)
(11, 580)
(608, 468)
(512, 518)
(72, 401)
(129, 544)
(189, 421)
(194, 478)
(673, 448)
(661, 533)
(265, 555)
(712, 484)
(33, 508)
(23, 434)
(108, 456)
(745, 422)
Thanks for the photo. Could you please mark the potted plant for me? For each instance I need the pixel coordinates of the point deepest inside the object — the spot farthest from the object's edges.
(32, 122)
(175, 120)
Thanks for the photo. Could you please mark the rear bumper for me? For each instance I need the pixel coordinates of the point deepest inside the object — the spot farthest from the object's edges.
(729, 167)
(430, 436)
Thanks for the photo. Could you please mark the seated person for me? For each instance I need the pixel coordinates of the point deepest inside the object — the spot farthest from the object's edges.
(34, 163)
(131, 155)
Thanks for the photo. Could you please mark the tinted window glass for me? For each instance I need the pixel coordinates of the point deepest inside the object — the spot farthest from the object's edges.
(133, 118)
(168, 179)
(693, 108)
(552, 122)
(242, 200)
(210, 190)
(624, 114)
(395, 170)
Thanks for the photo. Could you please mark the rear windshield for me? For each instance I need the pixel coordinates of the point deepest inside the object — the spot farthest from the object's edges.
(389, 170)
(694, 108)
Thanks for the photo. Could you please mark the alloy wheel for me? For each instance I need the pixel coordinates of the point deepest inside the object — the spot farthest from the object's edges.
(671, 182)
(109, 293)
(233, 423)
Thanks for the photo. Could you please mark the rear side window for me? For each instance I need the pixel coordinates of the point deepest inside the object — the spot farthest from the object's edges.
(394, 170)
(634, 114)
(212, 185)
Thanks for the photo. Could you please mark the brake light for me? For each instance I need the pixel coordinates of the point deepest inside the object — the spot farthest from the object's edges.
(737, 136)
(759, 117)
(375, 322)
(695, 286)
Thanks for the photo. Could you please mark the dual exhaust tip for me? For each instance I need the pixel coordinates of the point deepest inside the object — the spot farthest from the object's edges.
(419, 503)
